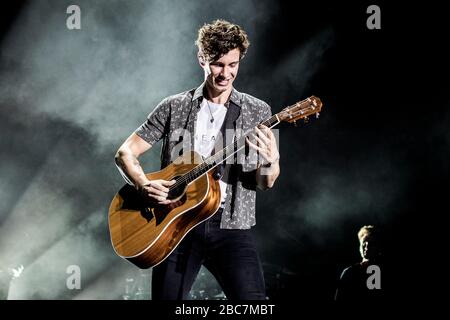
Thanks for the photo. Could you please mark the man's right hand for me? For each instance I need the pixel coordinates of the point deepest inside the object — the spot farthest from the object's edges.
(156, 191)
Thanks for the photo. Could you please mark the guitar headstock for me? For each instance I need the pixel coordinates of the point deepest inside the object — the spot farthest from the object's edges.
(301, 110)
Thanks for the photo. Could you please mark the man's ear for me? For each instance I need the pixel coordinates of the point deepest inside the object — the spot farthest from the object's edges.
(201, 59)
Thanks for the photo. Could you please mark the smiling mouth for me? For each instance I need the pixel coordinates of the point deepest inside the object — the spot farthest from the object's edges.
(222, 82)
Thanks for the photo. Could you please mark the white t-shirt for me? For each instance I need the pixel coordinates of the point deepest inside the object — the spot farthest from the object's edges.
(207, 132)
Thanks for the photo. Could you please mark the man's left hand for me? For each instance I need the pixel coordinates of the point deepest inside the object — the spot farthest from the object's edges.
(266, 144)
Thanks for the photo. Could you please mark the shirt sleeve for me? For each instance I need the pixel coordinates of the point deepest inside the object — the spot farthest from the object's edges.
(266, 112)
(157, 123)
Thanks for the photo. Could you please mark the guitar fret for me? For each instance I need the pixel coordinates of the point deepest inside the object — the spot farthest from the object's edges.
(223, 154)
(299, 110)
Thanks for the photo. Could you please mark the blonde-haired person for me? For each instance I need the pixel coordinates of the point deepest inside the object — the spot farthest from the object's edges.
(362, 281)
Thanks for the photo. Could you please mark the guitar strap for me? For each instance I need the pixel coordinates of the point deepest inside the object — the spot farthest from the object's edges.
(229, 123)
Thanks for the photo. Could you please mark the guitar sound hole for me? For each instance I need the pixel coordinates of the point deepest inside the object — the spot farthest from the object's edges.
(177, 191)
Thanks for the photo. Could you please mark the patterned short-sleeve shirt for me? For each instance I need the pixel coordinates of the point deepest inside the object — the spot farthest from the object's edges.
(176, 115)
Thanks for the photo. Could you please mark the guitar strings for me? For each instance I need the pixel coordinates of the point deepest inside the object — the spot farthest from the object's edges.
(202, 168)
(221, 156)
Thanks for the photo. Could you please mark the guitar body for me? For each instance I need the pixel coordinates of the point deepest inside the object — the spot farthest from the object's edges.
(146, 234)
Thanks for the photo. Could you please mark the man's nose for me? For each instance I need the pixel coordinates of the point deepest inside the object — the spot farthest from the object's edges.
(225, 72)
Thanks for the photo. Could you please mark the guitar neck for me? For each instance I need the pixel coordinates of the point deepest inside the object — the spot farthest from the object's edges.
(300, 110)
(222, 155)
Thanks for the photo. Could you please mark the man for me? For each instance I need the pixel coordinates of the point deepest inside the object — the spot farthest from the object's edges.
(223, 243)
(353, 281)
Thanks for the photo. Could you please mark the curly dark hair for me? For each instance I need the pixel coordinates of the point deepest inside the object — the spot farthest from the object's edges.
(217, 38)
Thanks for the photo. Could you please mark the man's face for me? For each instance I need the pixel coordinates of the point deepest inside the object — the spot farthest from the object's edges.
(221, 73)
(369, 248)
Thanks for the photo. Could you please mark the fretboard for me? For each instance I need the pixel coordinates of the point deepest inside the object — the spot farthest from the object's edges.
(222, 155)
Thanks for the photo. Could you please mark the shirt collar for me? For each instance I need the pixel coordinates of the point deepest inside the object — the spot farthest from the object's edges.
(235, 96)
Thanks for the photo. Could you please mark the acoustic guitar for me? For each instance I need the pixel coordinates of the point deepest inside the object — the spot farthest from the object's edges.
(144, 233)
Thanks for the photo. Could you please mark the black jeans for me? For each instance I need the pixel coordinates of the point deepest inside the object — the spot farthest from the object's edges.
(230, 255)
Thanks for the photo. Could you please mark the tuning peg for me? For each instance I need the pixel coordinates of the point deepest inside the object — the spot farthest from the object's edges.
(295, 123)
(317, 115)
(306, 120)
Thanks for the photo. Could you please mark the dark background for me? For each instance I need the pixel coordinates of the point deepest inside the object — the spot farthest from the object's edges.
(377, 155)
